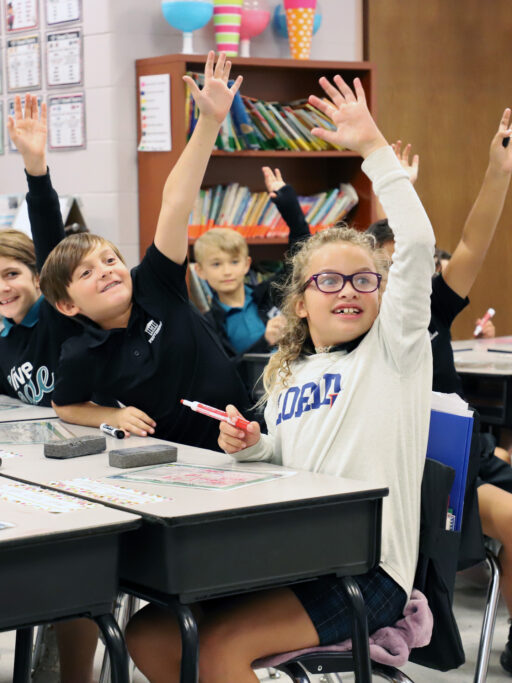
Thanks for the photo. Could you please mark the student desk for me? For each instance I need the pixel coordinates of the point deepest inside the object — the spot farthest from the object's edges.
(12, 410)
(485, 368)
(59, 566)
(200, 544)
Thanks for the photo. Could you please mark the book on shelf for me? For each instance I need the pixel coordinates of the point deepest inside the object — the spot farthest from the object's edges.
(253, 124)
(254, 214)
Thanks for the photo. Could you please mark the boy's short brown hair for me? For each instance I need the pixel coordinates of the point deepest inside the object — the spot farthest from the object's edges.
(226, 239)
(14, 244)
(58, 269)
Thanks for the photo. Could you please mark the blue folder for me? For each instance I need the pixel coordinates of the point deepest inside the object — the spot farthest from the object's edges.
(449, 442)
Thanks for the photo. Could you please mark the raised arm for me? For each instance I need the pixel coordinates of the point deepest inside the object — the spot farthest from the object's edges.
(184, 181)
(28, 132)
(410, 166)
(467, 259)
(286, 200)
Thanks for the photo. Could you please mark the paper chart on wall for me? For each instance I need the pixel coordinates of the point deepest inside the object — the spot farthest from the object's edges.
(2, 148)
(21, 15)
(155, 113)
(42, 499)
(64, 58)
(66, 121)
(199, 476)
(103, 492)
(62, 11)
(31, 432)
(23, 63)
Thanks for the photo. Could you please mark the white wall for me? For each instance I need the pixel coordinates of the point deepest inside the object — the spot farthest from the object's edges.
(116, 33)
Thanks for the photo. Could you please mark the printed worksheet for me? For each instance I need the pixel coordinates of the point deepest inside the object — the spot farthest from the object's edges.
(103, 492)
(66, 121)
(21, 15)
(199, 476)
(38, 431)
(62, 11)
(42, 499)
(64, 58)
(23, 63)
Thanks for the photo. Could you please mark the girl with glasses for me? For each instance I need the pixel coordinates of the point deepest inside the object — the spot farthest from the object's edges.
(349, 392)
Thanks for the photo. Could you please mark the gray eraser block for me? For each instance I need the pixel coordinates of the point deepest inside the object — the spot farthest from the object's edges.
(72, 448)
(142, 455)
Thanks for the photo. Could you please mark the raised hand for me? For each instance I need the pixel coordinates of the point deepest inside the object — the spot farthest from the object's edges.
(28, 133)
(500, 157)
(273, 180)
(275, 329)
(215, 98)
(411, 167)
(231, 439)
(355, 127)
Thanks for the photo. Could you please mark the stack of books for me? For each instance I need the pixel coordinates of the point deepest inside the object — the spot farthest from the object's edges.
(254, 124)
(254, 214)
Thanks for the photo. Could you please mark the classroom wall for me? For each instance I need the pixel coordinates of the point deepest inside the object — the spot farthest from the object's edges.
(443, 81)
(116, 33)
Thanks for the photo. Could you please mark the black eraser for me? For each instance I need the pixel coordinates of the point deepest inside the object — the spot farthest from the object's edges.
(76, 446)
(142, 455)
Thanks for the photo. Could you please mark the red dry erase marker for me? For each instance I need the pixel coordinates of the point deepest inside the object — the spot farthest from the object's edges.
(486, 317)
(239, 422)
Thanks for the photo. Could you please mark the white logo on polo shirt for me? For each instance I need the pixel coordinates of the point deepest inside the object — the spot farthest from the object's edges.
(152, 329)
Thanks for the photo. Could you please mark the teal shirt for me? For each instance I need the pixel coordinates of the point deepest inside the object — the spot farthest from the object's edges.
(29, 320)
(243, 325)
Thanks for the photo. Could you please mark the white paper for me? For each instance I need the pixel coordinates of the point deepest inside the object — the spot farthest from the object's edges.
(62, 11)
(23, 63)
(21, 15)
(450, 403)
(66, 121)
(64, 58)
(155, 113)
(107, 492)
(42, 499)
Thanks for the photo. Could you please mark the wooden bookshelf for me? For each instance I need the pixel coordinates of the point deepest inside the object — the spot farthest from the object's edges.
(268, 79)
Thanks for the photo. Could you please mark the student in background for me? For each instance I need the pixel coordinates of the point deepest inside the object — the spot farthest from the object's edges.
(450, 289)
(146, 346)
(34, 331)
(348, 394)
(246, 318)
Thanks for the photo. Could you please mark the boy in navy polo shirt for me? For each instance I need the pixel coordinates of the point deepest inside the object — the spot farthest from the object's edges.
(149, 347)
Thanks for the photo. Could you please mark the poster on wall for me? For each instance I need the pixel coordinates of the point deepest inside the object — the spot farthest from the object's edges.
(62, 11)
(10, 112)
(23, 63)
(155, 113)
(64, 58)
(2, 129)
(66, 121)
(21, 15)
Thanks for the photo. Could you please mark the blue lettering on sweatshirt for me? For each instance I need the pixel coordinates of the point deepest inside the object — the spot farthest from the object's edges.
(310, 396)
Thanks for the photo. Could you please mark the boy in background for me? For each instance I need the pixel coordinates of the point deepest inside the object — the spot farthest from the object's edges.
(247, 319)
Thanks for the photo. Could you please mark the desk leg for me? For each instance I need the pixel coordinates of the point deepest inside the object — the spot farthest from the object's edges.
(360, 642)
(114, 643)
(189, 642)
(23, 655)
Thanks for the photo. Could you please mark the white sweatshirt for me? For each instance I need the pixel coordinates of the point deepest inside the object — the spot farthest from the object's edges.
(365, 414)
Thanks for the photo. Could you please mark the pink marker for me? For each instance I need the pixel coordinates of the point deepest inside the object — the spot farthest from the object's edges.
(488, 315)
(238, 422)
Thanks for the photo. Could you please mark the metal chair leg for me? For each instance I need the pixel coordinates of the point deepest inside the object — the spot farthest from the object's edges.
(114, 643)
(38, 646)
(489, 620)
(360, 637)
(23, 655)
(125, 607)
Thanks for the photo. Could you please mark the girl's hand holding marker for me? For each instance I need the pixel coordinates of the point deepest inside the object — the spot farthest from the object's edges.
(236, 432)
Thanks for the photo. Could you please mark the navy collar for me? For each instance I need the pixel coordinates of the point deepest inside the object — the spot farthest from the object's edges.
(344, 346)
(30, 319)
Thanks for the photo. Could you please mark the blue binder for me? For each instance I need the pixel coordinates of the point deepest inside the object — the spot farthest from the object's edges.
(449, 442)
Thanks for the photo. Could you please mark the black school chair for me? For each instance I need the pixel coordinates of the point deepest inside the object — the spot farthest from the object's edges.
(491, 608)
(435, 577)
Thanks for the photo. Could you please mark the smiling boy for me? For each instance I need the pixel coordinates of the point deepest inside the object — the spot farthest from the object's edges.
(149, 347)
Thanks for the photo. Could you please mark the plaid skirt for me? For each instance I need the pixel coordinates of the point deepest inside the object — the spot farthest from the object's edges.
(328, 608)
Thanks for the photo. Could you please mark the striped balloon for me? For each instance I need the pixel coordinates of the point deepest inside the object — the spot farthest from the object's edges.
(227, 15)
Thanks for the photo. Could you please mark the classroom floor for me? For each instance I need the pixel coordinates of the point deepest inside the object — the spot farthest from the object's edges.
(470, 597)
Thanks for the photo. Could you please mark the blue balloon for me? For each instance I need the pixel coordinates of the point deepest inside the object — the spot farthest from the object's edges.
(279, 21)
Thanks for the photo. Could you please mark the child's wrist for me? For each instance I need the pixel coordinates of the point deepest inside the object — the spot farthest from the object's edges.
(36, 167)
(372, 146)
